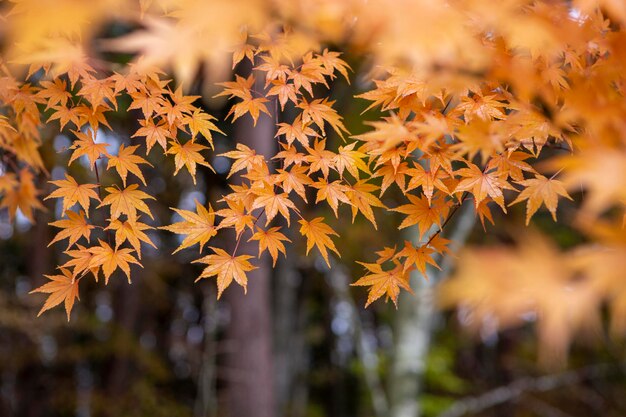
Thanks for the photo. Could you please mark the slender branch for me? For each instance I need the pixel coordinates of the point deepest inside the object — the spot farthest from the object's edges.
(447, 220)
(95, 164)
(514, 390)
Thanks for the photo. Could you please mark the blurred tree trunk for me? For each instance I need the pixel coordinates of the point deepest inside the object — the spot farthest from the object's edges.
(414, 325)
(249, 362)
(288, 337)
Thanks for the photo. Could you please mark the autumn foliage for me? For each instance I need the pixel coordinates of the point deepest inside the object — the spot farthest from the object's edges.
(474, 102)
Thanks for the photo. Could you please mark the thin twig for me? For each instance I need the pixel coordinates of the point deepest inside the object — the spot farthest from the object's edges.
(517, 388)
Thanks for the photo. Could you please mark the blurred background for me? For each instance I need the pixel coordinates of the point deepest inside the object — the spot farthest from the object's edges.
(164, 346)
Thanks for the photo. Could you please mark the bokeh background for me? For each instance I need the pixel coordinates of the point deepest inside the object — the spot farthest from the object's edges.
(164, 346)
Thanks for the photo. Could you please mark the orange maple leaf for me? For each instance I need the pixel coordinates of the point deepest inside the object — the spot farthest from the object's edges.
(131, 231)
(126, 161)
(270, 240)
(226, 267)
(318, 234)
(127, 201)
(273, 203)
(188, 155)
(62, 288)
(198, 227)
(110, 259)
(71, 193)
(423, 213)
(86, 145)
(384, 282)
(541, 190)
(482, 184)
(74, 227)
(417, 256)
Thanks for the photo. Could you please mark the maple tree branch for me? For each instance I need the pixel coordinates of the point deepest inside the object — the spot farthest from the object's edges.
(517, 388)
(252, 230)
(453, 211)
(108, 232)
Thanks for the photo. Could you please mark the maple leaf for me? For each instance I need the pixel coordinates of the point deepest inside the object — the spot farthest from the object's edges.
(235, 216)
(149, 104)
(482, 184)
(362, 199)
(55, 92)
(384, 282)
(126, 201)
(428, 180)
(154, 133)
(296, 131)
(423, 213)
(541, 190)
(131, 231)
(318, 234)
(349, 159)
(245, 158)
(86, 145)
(226, 267)
(179, 105)
(284, 91)
(243, 50)
(510, 165)
(71, 192)
(188, 155)
(273, 203)
(417, 256)
(289, 155)
(294, 180)
(22, 196)
(74, 227)
(332, 192)
(62, 289)
(320, 110)
(484, 107)
(126, 161)
(97, 90)
(254, 106)
(272, 241)
(385, 255)
(81, 259)
(200, 122)
(484, 213)
(198, 227)
(392, 175)
(240, 88)
(320, 158)
(331, 62)
(110, 259)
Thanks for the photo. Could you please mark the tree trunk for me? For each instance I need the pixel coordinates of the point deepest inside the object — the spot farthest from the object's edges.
(249, 362)
(414, 326)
